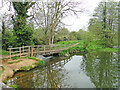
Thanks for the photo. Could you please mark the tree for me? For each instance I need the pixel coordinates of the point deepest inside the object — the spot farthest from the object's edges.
(61, 34)
(19, 21)
(53, 13)
(104, 23)
(73, 35)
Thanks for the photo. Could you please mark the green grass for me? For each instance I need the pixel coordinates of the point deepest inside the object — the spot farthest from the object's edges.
(93, 45)
(78, 47)
(14, 62)
(66, 42)
(26, 68)
(96, 44)
(3, 52)
(14, 86)
(109, 49)
(15, 58)
(40, 62)
(34, 58)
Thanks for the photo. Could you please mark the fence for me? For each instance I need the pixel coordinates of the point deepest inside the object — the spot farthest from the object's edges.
(37, 49)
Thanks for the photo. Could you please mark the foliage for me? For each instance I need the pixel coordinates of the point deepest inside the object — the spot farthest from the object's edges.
(4, 52)
(73, 35)
(8, 40)
(78, 47)
(66, 42)
(39, 36)
(103, 25)
(21, 30)
(62, 35)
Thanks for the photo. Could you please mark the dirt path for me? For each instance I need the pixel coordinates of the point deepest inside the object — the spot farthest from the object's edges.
(8, 68)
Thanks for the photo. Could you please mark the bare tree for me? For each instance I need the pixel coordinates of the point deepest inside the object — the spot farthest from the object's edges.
(50, 14)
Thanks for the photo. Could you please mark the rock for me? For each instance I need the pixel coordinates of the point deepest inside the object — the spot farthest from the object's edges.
(67, 55)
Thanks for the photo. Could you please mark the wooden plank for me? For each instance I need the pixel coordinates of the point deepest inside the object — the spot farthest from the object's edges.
(32, 52)
(10, 52)
(15, 51)
(20, 51)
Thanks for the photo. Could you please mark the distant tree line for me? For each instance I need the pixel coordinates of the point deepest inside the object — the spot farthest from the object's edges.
(35, 23)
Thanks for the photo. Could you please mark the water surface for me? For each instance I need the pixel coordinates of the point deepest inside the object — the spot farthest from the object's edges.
(91, 70)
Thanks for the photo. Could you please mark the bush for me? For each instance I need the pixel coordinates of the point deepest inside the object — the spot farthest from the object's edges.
(8, 40)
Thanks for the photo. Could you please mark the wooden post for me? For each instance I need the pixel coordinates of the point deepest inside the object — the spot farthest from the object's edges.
(50, 48)
(23, 49)
(44, 49)
(28, 51)
(20, 51)
(10, 53)
(32, 52)
(37, 49)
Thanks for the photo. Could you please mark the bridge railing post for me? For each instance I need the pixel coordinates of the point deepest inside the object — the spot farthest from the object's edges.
(37, 49)
(10, 53)
(44, 49)
(23, 49)
(29, 51)
(20, 51)
(32, 51)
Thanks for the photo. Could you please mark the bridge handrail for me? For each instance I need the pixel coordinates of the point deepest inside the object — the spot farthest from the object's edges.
(36, 48)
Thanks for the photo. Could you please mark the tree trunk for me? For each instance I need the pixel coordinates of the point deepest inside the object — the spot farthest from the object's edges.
(53, 38)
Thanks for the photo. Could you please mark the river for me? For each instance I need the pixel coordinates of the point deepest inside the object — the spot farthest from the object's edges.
(91, 70)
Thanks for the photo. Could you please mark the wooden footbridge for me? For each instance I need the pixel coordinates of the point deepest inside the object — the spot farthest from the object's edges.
(37, 50)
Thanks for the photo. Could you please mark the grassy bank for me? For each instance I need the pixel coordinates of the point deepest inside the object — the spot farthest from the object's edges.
(92, 45)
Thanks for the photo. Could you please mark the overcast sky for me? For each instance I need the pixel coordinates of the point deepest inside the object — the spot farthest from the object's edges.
(74, 23)
(82, 21)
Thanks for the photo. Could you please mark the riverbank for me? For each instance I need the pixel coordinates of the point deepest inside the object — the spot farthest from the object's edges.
(12, 66)
(92, 46)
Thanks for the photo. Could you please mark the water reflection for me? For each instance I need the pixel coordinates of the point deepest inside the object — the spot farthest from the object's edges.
(92, 70)
(50, 76)
(102, 68)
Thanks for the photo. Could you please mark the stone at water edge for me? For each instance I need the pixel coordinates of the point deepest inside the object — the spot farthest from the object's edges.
(67, 55)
